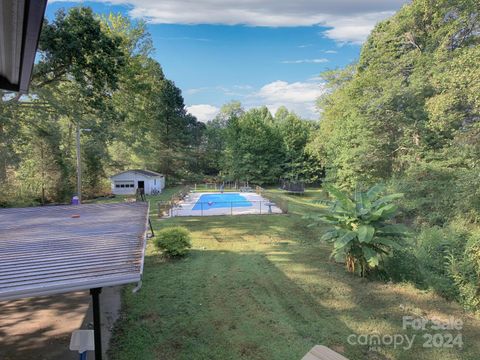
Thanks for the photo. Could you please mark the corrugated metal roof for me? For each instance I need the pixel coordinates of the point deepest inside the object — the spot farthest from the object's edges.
(56, 249)
(143, 172)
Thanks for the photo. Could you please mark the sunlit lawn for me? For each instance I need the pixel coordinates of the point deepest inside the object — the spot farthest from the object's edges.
(263, 287)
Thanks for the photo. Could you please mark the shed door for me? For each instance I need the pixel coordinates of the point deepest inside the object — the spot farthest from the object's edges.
(141, 184)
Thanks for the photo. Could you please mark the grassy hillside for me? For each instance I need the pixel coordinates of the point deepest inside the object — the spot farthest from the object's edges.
(263, 287)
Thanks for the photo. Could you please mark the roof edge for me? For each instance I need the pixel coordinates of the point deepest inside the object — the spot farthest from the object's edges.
(148, 173)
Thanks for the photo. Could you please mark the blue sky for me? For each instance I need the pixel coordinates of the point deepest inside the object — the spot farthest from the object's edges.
(264, 52)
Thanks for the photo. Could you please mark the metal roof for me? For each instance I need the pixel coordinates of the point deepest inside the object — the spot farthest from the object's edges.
(138, 171)
(56, 249)
(20, 25)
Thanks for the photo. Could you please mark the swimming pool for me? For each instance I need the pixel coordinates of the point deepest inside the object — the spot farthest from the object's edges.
(217, 201)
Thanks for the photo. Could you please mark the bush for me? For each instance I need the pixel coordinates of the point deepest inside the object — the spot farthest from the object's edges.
(173, 241)
(403, 266)
(444, 259)
(435, 246)
(464, 270)
(362, 227)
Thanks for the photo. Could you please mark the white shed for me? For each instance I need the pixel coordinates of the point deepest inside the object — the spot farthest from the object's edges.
(127, 182)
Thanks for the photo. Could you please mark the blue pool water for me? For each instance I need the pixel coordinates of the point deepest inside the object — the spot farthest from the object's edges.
(216, 201)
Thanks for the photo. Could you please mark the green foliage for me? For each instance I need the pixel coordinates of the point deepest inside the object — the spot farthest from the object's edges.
(407, 114)
(262, 149)
(75, 45)
(443, 259)
(173, 241)
(362, 227)
(403, 266)
(434, 246)
(464, 270)
(254, 150)
(413, 92)
(298, 163)
(95, 73)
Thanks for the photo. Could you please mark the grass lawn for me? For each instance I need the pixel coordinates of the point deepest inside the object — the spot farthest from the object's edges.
(263, 287)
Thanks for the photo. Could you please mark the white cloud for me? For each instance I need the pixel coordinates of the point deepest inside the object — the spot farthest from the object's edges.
(348, 20)
(298, 96)
(305, 61)
(354, 29)
(203, 112)
(330, 51)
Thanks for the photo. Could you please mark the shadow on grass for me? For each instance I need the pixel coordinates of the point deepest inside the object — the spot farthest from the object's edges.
(224, 305)
(246, 298)
(371, 307)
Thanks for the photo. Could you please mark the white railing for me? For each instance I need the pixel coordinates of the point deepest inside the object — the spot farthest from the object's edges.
(252, 207)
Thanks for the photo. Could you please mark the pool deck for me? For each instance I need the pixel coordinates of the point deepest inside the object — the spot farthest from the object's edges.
(259, 206)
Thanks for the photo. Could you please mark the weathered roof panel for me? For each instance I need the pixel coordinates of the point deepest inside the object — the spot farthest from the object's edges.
(55, 249)
(142, 172)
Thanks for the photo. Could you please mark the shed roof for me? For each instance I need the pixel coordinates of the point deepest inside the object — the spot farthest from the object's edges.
(48, 250)
(142, 172)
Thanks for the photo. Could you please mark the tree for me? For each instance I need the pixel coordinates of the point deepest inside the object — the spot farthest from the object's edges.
(298, 163)
(254, 148)
(403, 99)
(94, 73)
(215, 138)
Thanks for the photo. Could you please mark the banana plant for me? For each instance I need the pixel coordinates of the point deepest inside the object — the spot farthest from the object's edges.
(362, 227)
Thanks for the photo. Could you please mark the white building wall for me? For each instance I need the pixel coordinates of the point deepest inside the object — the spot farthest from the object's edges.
(150, 183)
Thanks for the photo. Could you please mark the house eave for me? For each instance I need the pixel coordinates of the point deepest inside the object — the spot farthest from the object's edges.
(21, 26)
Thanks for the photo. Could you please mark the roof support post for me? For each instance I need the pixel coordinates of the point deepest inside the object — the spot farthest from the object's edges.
(97, 332)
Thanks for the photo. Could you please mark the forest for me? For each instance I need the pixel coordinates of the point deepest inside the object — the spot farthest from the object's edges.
(98, 75)
(406, 114)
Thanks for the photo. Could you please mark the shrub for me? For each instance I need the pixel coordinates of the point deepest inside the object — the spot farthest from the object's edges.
(435, 248)
(403, 266)
(173, 241)
(362, 227)
(464, 270)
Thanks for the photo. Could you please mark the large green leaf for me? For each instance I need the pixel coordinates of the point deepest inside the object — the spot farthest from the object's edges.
(338, 256)
(385, 211)
(362, 203)
(344, 200)
(394, 230)
(374, 191)
(365, 233)
(329, 235)
(345, 239)
(388, 242)
(373, 259)
(386, 199)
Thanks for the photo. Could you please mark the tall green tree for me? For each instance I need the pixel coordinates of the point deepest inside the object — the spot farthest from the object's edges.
(410, 94)
(254, 148)
(298, 163)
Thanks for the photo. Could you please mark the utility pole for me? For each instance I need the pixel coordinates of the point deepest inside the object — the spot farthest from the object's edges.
(79, 162)
(79, 166)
